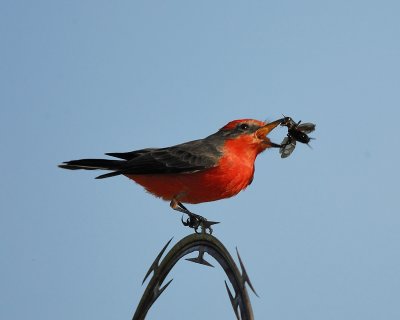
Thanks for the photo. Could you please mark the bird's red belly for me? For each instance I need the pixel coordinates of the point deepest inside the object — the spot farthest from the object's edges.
(212, 184)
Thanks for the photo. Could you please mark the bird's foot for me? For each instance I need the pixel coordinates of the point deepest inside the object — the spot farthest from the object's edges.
(196, 221)
(193, 221)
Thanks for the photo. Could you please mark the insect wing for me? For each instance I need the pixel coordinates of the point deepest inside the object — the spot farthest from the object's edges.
(284, 143)
(287, 150)
(288, 145)
(306, 127)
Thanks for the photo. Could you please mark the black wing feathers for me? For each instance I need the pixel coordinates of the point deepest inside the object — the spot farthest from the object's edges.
(130, 155)
(187, 157)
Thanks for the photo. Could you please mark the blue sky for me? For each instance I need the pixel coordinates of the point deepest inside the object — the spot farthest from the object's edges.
(318, 232)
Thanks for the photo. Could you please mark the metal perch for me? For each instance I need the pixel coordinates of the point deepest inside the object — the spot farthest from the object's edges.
(201, 243)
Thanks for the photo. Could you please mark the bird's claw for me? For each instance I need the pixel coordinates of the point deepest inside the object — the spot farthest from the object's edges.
(195, 222)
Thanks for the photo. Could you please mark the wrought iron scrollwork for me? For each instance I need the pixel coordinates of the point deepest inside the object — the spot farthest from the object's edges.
(202, 243)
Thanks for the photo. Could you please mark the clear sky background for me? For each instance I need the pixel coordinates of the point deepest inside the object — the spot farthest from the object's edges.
(319, 232)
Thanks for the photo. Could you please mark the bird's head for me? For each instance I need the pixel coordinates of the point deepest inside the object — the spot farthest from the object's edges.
(250, 133)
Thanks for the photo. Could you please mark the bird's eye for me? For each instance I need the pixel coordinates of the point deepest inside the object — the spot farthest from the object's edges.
(243, 126)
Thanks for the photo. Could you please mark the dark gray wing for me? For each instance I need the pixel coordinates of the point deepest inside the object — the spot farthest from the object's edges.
(187, 157)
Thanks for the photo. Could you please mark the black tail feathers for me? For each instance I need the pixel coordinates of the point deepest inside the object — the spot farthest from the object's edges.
(95, 164)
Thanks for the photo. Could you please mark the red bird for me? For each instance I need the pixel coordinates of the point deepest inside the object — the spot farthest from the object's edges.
(216, 167)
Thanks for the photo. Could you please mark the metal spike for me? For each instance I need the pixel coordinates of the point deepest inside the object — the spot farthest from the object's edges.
(245, 276)
(206, 225)
(233, 302)
(200, 259)
(161, 290)
(155, 264)
(209, 223)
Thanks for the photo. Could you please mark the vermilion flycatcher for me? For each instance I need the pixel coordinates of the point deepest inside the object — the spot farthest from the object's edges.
(216, 167)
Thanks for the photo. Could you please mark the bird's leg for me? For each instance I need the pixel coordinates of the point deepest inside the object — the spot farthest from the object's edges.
(194, 221)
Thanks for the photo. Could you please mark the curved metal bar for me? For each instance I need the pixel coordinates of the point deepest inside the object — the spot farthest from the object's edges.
(201, 243)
